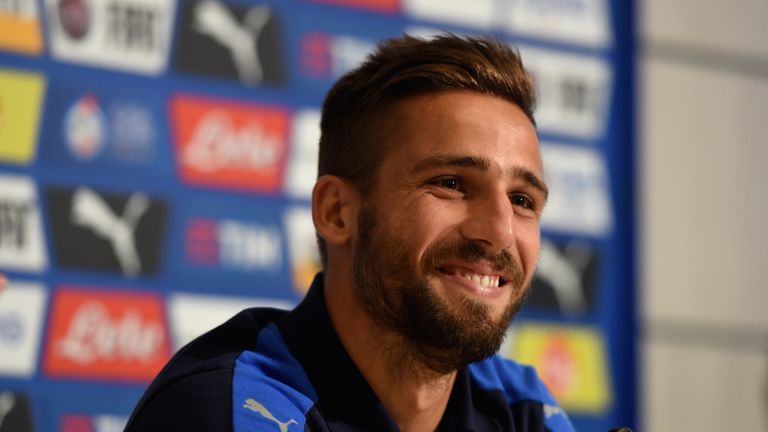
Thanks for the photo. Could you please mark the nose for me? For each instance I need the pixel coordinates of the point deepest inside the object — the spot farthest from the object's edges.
(490, 222)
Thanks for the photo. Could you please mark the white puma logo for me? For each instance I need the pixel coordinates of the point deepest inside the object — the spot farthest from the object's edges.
(7, 402)
(550, 410)
(213, 19)
(91, 211)
(261, 409)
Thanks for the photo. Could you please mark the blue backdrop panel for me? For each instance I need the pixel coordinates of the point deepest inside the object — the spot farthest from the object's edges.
(162, 152)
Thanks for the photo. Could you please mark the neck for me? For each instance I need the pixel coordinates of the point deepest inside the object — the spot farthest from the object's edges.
(414, 395)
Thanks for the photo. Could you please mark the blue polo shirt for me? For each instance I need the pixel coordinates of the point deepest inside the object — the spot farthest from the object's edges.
(271, 370)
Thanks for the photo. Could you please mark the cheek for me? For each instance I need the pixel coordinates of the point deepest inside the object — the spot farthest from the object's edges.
(422, 226)
(437, 221)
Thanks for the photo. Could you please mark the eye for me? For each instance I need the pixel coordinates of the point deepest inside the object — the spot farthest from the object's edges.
(451, 183)
(521, 201)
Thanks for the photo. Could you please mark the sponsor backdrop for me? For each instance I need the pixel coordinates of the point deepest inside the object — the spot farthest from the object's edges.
(156, 164)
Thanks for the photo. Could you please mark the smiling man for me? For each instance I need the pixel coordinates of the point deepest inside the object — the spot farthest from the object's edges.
(427, 210)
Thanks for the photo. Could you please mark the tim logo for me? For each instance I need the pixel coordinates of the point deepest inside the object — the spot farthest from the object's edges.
(230, 42)
(107, 232)
(324, 56)
(106, 335)
(98, 423)
(389, 6)
(233, 245)
(228, 145)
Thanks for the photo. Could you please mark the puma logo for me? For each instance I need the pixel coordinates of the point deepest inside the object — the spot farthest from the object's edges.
(7, 403)
(214, 20)
(562, 270)
(550, 410)
(89, 210)
(261, 409)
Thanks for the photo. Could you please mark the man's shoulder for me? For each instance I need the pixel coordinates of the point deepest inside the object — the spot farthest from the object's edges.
(194, 389)
(520, 386)
(218, 348)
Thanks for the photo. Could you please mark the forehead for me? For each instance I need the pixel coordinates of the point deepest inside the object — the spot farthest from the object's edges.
(461, 123)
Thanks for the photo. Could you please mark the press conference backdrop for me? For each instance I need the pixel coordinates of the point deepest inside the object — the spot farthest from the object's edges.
(156, 163)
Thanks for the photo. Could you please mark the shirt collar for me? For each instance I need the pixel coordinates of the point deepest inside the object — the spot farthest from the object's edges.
(343, 393)
(344, 396)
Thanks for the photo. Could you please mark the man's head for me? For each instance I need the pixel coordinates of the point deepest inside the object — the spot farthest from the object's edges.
(430, 192)
(357, 110)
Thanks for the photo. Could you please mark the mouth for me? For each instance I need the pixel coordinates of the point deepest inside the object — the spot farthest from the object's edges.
(476, 279)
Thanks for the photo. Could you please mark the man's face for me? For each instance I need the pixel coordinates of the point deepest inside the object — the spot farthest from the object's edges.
(448, 239)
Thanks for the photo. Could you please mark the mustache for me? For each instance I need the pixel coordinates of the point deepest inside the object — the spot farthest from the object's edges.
(502, 262)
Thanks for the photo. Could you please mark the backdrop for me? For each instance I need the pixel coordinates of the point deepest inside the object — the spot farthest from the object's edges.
(156, 164)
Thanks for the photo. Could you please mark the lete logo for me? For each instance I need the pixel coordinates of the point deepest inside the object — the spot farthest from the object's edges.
(93, 335)
(106, 335)
(230, 145)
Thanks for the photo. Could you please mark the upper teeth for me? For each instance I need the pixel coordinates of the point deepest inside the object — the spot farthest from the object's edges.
(484, 280)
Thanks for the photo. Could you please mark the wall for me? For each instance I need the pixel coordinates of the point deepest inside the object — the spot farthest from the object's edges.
(703, 85)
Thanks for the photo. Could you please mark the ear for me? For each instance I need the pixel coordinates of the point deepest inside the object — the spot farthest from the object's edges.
(335, 204)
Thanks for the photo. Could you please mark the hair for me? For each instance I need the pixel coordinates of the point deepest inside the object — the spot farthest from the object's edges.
(355, 108)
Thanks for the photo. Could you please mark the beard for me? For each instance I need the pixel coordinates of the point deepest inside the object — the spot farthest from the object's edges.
(400, 298)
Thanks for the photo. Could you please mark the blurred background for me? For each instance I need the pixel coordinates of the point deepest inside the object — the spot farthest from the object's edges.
(157, 159)
(702, 93)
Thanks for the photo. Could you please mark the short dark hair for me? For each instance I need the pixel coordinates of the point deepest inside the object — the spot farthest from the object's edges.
(401, 68)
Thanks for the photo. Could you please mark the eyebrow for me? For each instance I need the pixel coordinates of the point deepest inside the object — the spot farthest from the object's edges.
(480, 164)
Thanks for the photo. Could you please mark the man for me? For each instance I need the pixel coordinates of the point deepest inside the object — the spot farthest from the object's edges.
(427, 209)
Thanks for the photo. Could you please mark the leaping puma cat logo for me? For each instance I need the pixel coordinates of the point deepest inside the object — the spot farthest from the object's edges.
(261, 409)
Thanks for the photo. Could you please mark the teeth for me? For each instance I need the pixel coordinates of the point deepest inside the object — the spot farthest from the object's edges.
(484, 280)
